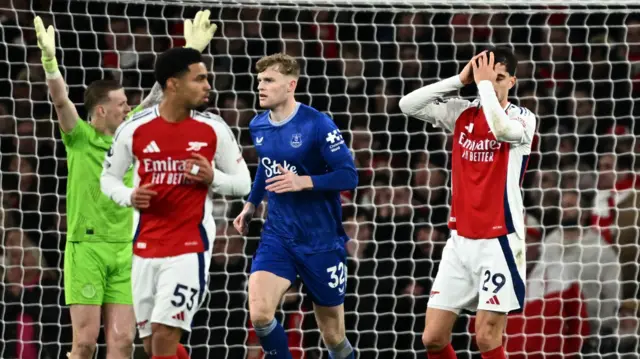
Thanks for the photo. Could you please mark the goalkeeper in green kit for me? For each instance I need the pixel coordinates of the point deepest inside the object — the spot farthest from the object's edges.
(98, 253)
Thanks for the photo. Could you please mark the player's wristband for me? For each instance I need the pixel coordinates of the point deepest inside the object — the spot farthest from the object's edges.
(51, 68)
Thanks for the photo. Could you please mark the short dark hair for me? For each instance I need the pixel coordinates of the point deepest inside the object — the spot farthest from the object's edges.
(98, 92)
(175, 63)
(505, 56)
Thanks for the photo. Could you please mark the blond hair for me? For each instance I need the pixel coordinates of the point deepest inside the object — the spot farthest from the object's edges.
(286, 65)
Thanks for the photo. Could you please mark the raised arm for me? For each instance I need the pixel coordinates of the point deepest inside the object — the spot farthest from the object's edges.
(426, 103)
(65, 109)
(503, 126)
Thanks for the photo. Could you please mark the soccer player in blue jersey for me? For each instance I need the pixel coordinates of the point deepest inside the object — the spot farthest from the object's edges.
(304, 164)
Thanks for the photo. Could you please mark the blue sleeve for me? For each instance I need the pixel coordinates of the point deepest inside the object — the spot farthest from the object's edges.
(342, 173)
(257, 190)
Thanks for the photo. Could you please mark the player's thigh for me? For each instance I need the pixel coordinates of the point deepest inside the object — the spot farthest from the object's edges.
(84, 274)
(489, 325)
(119, 323)
(331, 323)
(501, 286)
(324, 275)
(180, 289)
(118, 283)
(455, 286)
(143, 283)
(272, 272)
(85, 323)
(438, 327)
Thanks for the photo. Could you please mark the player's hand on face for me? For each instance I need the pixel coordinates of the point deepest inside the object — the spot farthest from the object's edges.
(466, 75)
(241, 223)
(199, 169)
(287, 181)
(484, 69)
(141, 196)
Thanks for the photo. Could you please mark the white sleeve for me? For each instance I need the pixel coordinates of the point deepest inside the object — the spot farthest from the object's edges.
(610, 290)
(116, 163)
(231, 175)
(426, 103)
(501, 124)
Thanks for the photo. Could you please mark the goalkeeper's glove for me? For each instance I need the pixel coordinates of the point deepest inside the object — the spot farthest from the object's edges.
(47, 44)
(198, 34)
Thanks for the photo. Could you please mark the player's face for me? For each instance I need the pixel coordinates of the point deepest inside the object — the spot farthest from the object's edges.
(194, 88)
(504, 82)
(274, 88)
(115, 109)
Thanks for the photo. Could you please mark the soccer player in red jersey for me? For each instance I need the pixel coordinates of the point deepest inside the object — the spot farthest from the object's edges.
(172, 147)
(483, 262)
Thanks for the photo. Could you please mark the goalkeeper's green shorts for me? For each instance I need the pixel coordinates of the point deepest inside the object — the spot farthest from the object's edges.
(97, 273)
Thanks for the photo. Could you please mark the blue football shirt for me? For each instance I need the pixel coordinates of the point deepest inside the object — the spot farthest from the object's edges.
(307, 143)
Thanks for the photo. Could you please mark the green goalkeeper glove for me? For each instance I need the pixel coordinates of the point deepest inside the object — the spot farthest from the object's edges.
(198, 34)
(47, 44)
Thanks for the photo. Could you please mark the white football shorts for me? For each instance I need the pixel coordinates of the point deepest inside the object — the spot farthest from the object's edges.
(168, 290)
(481, 274)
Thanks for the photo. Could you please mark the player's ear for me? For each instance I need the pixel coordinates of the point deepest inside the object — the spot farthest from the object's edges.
(100, 110)
(292, 85)
(172, 84)
(512, 82)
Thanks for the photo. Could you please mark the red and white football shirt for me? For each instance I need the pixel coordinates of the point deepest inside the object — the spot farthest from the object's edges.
(179, 218)
(486, 173)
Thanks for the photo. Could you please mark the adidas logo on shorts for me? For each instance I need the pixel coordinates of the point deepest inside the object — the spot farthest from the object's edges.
(179, 316)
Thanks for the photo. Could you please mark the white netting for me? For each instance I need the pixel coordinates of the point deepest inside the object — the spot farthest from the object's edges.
(579, 72)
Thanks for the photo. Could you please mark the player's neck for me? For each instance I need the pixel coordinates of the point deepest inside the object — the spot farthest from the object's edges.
(283, 111)
(101, 126)
(504, 103)
(171, 111)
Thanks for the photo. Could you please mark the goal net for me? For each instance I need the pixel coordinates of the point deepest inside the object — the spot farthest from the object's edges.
(578, 71)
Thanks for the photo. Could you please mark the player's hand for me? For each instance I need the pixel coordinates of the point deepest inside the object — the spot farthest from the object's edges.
(288, 181)
(484, 69)
(466, 75)
(199, 32)
(46, 39)
(241, 223)
(199, 169)
(141, 196)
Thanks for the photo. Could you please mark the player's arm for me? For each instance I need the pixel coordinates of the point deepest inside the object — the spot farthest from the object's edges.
(256, 195)
(198, 34)
(426, 103)
(65, 109)
(513, 128)
(258, 188)
(342, 173)
(116, 163)
(503, 126)
(230, 175)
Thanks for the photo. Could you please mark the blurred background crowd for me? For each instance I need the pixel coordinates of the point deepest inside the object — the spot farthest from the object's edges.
(579, 72)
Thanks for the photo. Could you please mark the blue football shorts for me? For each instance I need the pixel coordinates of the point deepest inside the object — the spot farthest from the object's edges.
(324, 274)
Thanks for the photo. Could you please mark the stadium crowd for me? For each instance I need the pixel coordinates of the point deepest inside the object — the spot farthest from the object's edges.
(580, 74)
